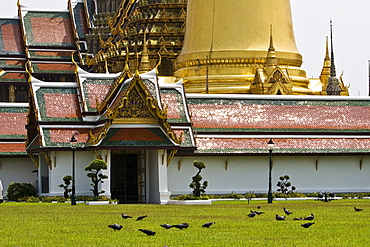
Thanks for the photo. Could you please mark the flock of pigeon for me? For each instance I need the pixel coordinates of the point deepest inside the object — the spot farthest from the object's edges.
(117, 227)
(287, 212)
(253, 213)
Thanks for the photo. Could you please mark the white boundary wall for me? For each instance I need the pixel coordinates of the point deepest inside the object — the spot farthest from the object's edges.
(250, 173)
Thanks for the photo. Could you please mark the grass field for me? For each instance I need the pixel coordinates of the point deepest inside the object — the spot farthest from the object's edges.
(46, 224)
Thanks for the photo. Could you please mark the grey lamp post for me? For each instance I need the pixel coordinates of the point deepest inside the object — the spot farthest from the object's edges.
(73, 143)
(270, 146)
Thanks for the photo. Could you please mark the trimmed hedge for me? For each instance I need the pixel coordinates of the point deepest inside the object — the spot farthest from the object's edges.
(16, 191)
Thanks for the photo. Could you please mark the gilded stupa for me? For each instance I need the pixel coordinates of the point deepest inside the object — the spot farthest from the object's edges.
(241, 47)
(214, 46)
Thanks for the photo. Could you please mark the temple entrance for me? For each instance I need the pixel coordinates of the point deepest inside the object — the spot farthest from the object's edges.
(128, 176)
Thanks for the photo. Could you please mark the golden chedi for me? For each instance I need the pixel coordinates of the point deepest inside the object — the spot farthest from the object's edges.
(241, 46)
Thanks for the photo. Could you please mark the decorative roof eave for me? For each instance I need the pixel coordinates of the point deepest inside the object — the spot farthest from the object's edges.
(82, 75)
(35, 84)
(159, 116)
(73, 21)
(293, 146)
(179, 87)
(148, 136)
(277, 97)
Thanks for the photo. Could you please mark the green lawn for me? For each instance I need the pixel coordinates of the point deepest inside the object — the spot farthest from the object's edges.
(46, 224)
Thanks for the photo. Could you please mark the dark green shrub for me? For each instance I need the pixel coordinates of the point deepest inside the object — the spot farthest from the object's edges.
(232, 195)
(190, 197)
(284, 185)
(17, 191)
(67, 181)
(94, 168)
(31, 199)
(50, 199)
(196, 185)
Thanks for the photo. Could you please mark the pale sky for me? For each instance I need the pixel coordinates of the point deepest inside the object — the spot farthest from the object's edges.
(311, 20)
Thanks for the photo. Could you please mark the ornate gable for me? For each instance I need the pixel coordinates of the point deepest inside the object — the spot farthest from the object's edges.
(281, 84)
(134, 105)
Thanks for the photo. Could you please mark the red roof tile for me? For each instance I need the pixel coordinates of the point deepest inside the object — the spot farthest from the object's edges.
(14, 62)
(15, 76)
(13, 124)
(212, 144)
(52, 30)
(174, 107)
(56, 66)
(280, 116)
(64, 135)
(62, 105)
(97, 92)
(12, 38)
(12, 147)
(135, 134)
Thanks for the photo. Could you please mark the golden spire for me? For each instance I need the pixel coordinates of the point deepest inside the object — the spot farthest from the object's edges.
(144, 62)
(325, 72)
(271, 59)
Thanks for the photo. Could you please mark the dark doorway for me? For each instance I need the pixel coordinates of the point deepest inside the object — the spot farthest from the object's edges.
(127, 176)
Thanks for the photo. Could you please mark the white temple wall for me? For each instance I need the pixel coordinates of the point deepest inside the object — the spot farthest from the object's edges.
(250, 173)
(18, 170)
(62, 166)
(152, 176)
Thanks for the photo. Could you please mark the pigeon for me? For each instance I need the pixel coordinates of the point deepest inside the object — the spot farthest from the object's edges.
(307, 225)
(141, 217)
(358, 209)
(167, 226)
(278, 217)
(147, 232)
(181, 226)
(115, 227)
(125, 216)
(311, 217)
(252, 214)
(208, 224)
(286, 211)
(258, 207)
(258, 212)
(300, 218)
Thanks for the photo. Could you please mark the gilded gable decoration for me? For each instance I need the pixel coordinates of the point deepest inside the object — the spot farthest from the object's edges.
(280, 83)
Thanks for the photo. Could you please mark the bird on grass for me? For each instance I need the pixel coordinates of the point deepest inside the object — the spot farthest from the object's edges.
(258, 212)
(358, 209)
(251, 214)
(307, 225)
(181, 226)
(208, 224)
(125, 216)
(278, 217)
(287, 212)
(258, 207)
(115, 227)
(167, 226)
(310, 217)
(300, 218)
(147, 232)
(141, 217)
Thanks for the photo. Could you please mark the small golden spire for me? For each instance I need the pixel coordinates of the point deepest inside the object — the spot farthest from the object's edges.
(271, 59)
(144, 62)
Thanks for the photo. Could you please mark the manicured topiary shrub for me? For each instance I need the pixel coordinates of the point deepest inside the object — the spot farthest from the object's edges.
(196, 185)
(16, 191)
(67, 181)
(284, 186)
(96, 177)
